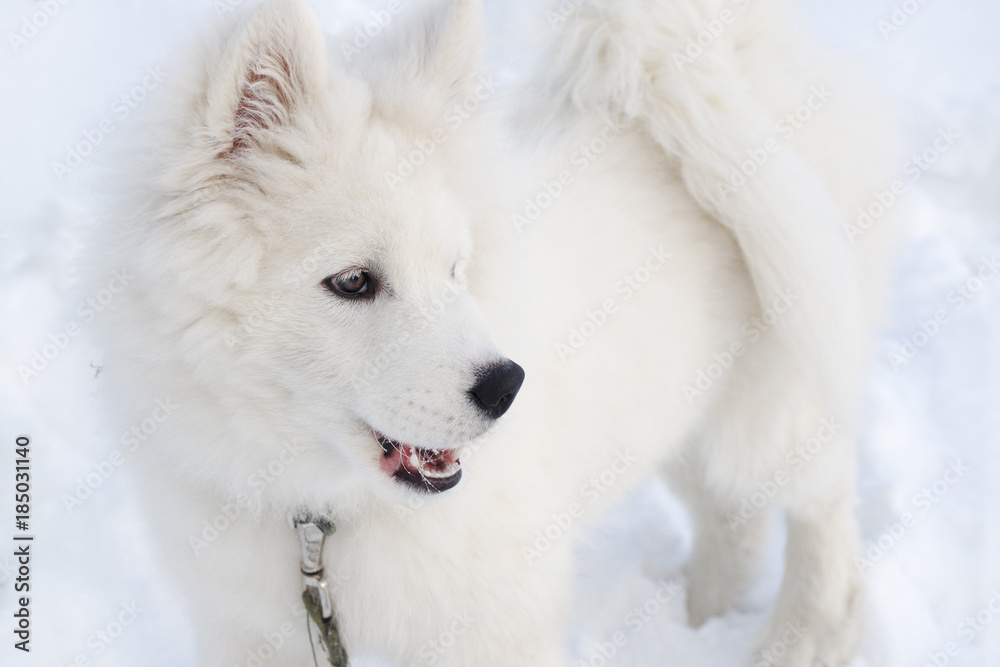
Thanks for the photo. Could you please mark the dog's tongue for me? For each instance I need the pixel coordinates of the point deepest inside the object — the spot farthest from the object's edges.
(429, 463)
(391, 462)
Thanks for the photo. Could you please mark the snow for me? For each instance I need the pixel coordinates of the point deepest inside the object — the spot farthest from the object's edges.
(941, 69)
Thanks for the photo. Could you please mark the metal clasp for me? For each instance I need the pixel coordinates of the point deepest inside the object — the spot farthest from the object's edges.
(313, 531)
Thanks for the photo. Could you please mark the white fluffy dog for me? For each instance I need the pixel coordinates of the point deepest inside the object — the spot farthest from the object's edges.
(334, 263)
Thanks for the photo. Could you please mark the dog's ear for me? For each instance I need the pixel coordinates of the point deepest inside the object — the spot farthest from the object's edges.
(454, 46)
(435, 59)
(271, 71)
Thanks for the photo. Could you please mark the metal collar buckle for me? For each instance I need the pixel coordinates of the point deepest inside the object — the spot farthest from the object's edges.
(313, 531)
(312, 538)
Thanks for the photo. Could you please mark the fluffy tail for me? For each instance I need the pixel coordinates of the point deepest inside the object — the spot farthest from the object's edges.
(642, 61)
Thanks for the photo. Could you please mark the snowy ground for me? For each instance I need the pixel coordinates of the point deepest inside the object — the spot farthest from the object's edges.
(940, 70)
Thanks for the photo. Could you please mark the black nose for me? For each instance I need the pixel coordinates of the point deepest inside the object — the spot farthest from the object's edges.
(497, 386)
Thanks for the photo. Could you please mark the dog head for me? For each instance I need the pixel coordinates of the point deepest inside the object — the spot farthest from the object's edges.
(307, 253)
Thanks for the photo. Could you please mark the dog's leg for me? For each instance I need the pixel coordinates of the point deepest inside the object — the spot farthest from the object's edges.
(727, 546)
(818, 617)
(772, 442)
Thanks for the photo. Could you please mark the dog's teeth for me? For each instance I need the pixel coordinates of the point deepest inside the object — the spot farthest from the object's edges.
(429, 463)
(441, 474)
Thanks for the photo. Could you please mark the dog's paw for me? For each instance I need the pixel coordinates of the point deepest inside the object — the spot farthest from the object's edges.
(717, 582)
(830, 643)
(706, 600)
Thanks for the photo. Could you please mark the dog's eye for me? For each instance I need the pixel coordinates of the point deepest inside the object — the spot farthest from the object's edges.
(352, 284)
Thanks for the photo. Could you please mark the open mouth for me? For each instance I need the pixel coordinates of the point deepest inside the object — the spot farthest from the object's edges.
(429, 470)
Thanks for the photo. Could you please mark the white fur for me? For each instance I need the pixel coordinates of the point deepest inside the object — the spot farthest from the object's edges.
(239, 210)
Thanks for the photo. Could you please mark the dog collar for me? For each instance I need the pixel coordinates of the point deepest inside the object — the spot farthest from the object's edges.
(313, 531)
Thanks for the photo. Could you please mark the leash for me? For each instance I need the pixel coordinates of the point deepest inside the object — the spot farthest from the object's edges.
(313, 531)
